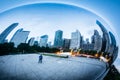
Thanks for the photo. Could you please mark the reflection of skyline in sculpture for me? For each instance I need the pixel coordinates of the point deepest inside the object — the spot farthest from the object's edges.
(97, 41)
(20, 36)
(6, 32)
(58, 38)
(43, 41)
(108, 47)
(85, 68)
(113, 49)
(75, 40)
(105, 39)
(31, 41)
(105, 44)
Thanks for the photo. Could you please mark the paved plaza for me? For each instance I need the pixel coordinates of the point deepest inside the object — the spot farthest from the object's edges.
(26, 67)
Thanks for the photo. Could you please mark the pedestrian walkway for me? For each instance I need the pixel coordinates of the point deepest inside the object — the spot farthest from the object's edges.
(26, 67)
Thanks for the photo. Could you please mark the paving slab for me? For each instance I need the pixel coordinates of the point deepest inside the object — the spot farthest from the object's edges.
(26, 67)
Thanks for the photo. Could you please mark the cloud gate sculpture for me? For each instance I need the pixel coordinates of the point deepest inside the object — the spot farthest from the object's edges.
(86, 60)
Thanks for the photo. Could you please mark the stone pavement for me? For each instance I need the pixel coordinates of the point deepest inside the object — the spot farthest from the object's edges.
(26, 67)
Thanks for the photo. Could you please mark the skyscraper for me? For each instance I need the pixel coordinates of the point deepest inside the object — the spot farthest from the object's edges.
(31, 41)
(43, 41)
(82, 40)
(6, 32)
(113, 49)
(87, 46)
(113, 40)
(20, 36)
(58, 41)
(66, 43)
(97, 41)
(87, 41)
(75, 40)
(36, 43)
(49, 44)
(105, 39)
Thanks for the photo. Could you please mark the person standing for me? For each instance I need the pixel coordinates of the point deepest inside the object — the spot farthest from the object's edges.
(40, 58)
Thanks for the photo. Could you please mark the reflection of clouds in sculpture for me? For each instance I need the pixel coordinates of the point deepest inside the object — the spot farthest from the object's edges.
(52, 18)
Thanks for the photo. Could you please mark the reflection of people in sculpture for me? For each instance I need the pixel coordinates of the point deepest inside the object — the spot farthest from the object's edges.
(40, 58)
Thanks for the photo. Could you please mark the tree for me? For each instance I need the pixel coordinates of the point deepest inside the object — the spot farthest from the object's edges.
(23, 47)
(6, 48)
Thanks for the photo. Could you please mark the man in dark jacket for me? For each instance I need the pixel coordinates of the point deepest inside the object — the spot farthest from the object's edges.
(40, 58)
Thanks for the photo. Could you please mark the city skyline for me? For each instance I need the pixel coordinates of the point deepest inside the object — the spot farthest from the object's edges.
(37, 38)
(56, 35)
(52, 40)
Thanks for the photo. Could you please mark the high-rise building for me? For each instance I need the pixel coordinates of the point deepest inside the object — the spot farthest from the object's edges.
(82, 40)
(87, 46)
(97, 41)
(43, 41)
(36, 43)
(113, 49)
(105, 39)
(20, 36)
(6, 32)
(75, 40)
(113, 40)
(66, 43)
(58, 41)
(49, 44)
(31, 41)
(115, 53)
(87, 41)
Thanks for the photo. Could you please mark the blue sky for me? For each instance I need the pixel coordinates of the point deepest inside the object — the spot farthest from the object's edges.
(107, 9)
(46, 18)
